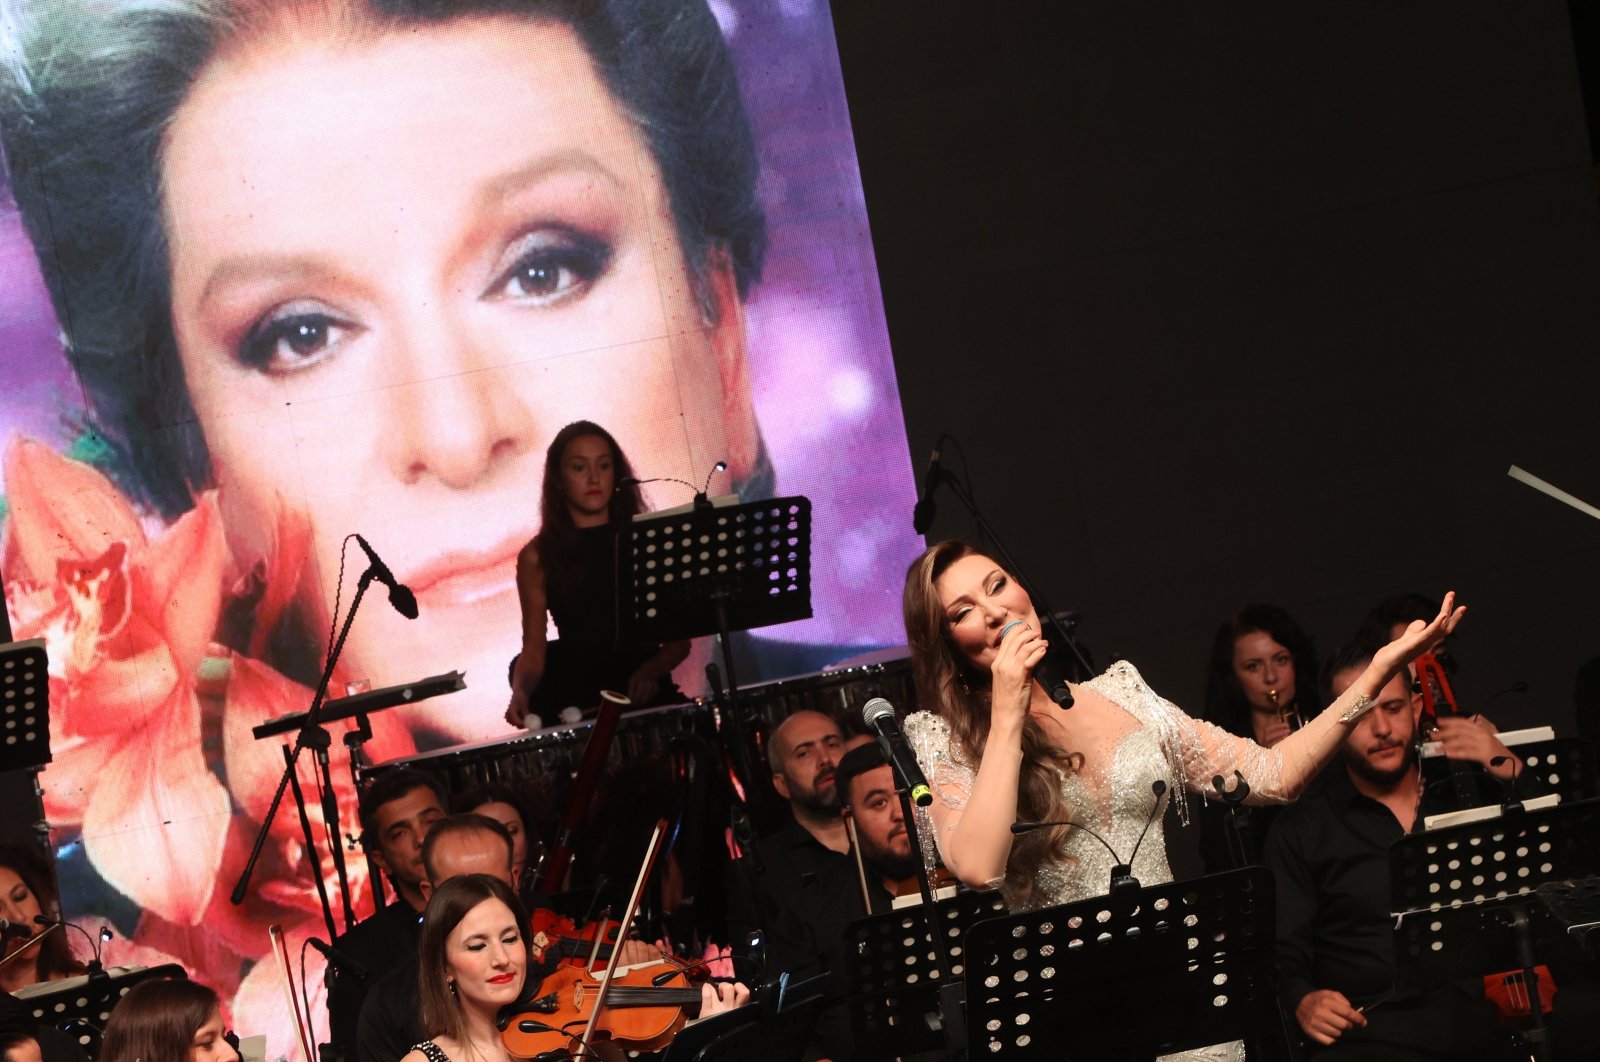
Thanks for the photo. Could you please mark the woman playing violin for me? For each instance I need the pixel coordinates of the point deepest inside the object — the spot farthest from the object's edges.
(474, 962)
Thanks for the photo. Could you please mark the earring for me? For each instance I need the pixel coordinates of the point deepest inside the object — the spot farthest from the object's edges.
(452, 984)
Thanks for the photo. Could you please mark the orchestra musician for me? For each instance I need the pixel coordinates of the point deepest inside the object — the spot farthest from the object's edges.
(167, 1021)
(803, 753)
(1330, 856)
(25, 894)
(997, 749)
(397, 810)
(473, 962)
(499, 803)
(569, 571)
(808, 932)
(1253, 690)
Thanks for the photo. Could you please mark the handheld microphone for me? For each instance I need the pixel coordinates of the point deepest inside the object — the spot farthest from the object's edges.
(1050, 673)
(400, 595)
(338, 959)
(878, 714)
(922, 513)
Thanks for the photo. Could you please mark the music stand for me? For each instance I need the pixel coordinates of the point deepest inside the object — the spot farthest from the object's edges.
(893, 972)
(1133, 975)
(773, 1031)
(24, 706)
(715, 571)
(1467, 901)
(81, 1006)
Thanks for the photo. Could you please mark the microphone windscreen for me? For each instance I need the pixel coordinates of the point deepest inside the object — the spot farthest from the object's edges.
(876, 710)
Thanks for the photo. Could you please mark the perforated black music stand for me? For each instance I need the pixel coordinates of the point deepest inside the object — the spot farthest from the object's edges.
(81, 1006)
(716, 570)
(1130, 976)
(893, 973)
(24, 706)
(1467, 896)
(778, 1033)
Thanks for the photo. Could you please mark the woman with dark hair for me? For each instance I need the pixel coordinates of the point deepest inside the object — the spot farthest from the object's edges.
(167, 1021)
(996, 749)
(1261, 678)
(25, 894)
(499, 803)
(1260, 684)
(570, 571)
(474, 959)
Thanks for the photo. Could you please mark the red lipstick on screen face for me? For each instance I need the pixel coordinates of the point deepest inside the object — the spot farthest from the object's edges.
(466, 577)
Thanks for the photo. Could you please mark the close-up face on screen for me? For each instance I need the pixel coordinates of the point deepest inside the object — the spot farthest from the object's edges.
(279, 273)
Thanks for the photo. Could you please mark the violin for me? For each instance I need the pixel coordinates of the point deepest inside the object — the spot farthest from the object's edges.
(556, 935)
(578, 997)
(634, 1013)
(1438, 699)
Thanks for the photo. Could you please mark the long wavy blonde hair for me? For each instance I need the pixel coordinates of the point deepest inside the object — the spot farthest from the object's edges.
(951, 687)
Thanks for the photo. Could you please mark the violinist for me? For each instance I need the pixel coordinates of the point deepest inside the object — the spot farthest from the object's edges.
(807, 937)
(1330, 856)
(473, 961)
(455, 847)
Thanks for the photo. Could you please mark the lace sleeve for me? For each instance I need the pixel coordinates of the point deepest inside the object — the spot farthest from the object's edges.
(1200, 751)
(950, 778)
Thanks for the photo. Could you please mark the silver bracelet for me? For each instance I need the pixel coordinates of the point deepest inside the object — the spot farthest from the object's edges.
(1357, 709)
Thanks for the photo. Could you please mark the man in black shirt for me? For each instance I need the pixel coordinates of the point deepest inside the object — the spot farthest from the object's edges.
(804, 754)
(807, 936)
(1330, 854)
(396, 813)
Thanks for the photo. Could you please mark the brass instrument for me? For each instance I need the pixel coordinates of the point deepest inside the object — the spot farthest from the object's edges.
(1287, 712)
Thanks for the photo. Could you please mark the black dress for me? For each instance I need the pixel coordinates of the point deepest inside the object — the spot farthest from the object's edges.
(590, 654)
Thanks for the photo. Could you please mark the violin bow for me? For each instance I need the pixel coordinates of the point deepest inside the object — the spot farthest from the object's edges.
(280, 952)
(651, 851)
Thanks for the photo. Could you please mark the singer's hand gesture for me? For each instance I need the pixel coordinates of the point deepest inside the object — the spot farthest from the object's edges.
(1018, 653)
(1418, 638)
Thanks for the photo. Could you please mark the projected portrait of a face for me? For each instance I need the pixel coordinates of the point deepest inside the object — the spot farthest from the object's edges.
(318, 268)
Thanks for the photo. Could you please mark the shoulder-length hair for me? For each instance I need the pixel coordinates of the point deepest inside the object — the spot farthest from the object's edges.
(449, 904)
(55, 951)
(156, 1021)
(1226, 705)
(91, 86)
(560, 555)
(958, 692)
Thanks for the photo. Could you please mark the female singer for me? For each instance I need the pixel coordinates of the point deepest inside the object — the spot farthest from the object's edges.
(1260, 684)
(474, 954)
(167, 1021)
(996, 746)
(996, 749)
(25, 894)
(570, 571)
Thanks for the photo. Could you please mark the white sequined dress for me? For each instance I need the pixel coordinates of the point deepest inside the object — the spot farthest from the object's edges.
(1113, 794)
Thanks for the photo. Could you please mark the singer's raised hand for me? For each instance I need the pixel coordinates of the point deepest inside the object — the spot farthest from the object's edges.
(1018, 653)
(1418, 638)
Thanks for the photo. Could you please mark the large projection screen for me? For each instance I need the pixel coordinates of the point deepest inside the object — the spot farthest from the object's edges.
(310, 269)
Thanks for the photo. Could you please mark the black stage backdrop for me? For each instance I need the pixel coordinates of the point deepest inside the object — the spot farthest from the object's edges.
(1251, 301)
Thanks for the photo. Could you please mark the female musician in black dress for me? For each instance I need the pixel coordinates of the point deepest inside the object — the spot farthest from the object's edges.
(570, 571)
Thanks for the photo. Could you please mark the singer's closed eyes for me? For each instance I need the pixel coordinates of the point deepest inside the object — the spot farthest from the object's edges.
(996, 749)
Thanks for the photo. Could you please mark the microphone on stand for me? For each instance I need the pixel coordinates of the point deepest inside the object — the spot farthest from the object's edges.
(400, 595)
(878, 714)
(1050, 673)
(105, 935)
(338, 959)
(926, 507)
(14, 929)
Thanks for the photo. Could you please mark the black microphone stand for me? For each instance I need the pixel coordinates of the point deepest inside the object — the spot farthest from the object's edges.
(1059, 635)
(952, 989)
(313, 736)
